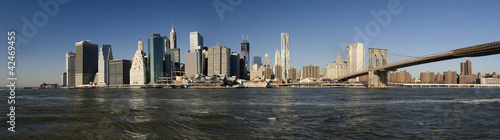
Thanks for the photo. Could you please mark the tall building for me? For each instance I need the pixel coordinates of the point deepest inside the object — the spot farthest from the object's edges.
(195, 41)
(204, 61)
(466, 68)
(105, 55)
(450, 77)
(219, 61)
(277, 57)
(156, 54)
(311, 72)
(138, 68)
(173, 38)
(257, 60)
(355, 58)
(337, 68)
(176, 59)
(293, 74)
(168, 64)
(70, 69)
(64, 79)
(277, 72)
(267, 63)
(245, 52)
(285, 54)
(166, 43)
(119, 72)
(235, 65)
(243, 68)
(191, 61)
(85, 62)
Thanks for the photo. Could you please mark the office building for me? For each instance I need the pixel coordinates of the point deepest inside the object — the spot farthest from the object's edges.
(85, 62)
(235, 65)
(204, 61)
(195, 41)
(173, 38)
(64, 79)
(105, 54)
(138, 69)
(191, 61)
(285, 54)
(355, 58)
(168, 64)
(337, 69)
(70, 69)
(257, 60)
(466, 68)
(119, 72)
(267, 63)
(219, 61)
(245, 52)
(156, 54)
(311, 72)
(243, 68)
(293, 75)
(166, 43)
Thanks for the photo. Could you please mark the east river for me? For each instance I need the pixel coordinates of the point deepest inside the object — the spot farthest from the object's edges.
(276, 113)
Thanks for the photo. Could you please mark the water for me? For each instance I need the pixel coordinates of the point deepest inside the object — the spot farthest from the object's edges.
(255, 114)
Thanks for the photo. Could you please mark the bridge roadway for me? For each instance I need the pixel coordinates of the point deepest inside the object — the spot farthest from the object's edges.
(473, 51)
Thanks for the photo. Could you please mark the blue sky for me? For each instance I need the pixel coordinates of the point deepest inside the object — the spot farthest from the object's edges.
(317, 30)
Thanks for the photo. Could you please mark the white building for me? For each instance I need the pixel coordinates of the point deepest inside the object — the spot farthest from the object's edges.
(195, 41)
(337, 68)
(70, 69)
(138, 68)
(105, 55)
(173, 38)
(355, 58)
(285, 54)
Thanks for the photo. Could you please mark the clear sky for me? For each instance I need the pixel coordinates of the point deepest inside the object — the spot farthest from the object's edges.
(318, 29)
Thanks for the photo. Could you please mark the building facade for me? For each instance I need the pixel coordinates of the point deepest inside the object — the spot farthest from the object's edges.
(285, 54)
(245, 52)
(119, 72)
(138, 68)
(64, 79)
(195, 41)
(191, 61)
(257, 60)
(311, 72)
(219, 61)
(235, 65)
(105, 54)
(450, 77)
(356, 58)
(337, 68)
(156, 54)
(173, 38)
(85, 62)
(70, 69)
(466, 68)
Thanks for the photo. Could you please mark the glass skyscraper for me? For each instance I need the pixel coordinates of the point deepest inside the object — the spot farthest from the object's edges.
(156, 54)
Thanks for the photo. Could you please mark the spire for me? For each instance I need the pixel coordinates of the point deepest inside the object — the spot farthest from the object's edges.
(338, 58)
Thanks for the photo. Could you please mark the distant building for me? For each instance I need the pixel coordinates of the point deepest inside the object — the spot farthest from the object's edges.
(293, 75)
(356, 58)
(466, 68)
(245, 52)
(285, 55)
(311, 72)
(138, 68)
(166, 43)
(173, 39)
(256, 60)
(450, 77)
(156, 54)
(267, 63)
(195, 41)
(486, 81)
(204, 61)
(70, 69)
(169, 64)
(277, 72)
(85, 62)
(399, 77)
(337, 68)
(191, 61)
(427, 77)
(119, 72)
(105, 54)
(261, 73)
(219, 60)
(235, 65)
(243, 68)
(64, 79)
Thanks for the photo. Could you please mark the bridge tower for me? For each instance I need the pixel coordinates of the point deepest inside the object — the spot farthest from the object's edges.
(377, 79)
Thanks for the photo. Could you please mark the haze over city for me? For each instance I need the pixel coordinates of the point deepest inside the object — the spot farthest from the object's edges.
(318, 30)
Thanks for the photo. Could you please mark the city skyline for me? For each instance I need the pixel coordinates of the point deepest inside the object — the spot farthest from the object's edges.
(318, 43)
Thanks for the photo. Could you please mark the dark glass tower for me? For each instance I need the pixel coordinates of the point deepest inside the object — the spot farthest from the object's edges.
(85, 62)
(156, 54)
(245, 52)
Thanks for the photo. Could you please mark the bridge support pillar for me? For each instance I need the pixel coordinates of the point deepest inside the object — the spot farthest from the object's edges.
(377, 78)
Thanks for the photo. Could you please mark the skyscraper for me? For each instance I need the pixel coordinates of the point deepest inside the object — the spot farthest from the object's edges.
(355, 58)
(267, 63)
(156, 54)
(219, 61)
(166, 43)
(277, 57)
(235, 65)
(466, 67)
(173, 38)
(245, 52)
(191, 61)
(64, 79)
(105, 55)
(195, 41)
(70, 69)
(85, 62)
(257, 60)
(285, 54)
(119, 72)
(138, 68)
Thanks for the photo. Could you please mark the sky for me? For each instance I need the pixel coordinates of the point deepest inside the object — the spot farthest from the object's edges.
(318, 29)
